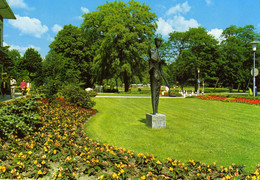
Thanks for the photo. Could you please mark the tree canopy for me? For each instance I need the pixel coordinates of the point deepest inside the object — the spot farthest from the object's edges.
(120, 35)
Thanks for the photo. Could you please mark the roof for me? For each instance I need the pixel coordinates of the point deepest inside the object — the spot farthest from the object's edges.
(5, 10)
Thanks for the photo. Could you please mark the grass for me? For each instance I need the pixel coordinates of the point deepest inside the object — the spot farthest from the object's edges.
(200, 130)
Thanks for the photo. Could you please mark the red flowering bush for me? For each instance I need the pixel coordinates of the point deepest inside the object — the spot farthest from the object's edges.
(231, 99)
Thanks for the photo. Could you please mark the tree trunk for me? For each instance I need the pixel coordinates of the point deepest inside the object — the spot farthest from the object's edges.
(231, 87)
(216, 85)
(238, 87)
(126, 81)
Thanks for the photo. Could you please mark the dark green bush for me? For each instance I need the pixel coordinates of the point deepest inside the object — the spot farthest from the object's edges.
(77, 96)
(175, 94)
(19, 117)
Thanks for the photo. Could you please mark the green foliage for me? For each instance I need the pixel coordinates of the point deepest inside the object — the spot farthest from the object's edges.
(70, 57)
(175, 94)
(236, 57)
(31, 61)
(120, 35)
(192, 50)
(19, 117)
(77, 96)
(50, 89)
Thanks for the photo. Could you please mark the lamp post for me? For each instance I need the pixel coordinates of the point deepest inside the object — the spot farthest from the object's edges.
(254, 45)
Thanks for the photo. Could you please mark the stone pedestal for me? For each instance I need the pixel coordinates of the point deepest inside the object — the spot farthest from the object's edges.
(156, 121)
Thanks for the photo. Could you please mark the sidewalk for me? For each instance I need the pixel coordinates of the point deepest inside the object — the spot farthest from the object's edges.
(8, 97)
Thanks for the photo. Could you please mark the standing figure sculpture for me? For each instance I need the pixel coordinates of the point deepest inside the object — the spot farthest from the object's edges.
(155, 71)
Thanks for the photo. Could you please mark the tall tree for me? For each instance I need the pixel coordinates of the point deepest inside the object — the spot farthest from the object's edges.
(193, 50)
(73, 47)
(31, 61)
(120, 35)
(236, 59)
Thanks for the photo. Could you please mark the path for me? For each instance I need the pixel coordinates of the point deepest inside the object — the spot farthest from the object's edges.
(8, 97)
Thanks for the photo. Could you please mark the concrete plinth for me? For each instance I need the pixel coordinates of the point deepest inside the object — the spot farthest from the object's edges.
(156, 121)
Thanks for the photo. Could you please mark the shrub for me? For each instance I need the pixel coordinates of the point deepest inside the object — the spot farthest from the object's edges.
(19, 117)
(51, 89)
(77, 96)
(175, 94)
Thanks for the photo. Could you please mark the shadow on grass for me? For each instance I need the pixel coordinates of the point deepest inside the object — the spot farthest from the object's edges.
(142, 121)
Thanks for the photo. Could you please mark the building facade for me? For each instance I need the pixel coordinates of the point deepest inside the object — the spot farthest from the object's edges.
(5, 13)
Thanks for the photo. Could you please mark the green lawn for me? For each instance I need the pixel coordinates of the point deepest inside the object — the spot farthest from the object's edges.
(200, 130)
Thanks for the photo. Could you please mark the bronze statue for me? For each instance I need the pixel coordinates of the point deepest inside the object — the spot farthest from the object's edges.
(155, 71)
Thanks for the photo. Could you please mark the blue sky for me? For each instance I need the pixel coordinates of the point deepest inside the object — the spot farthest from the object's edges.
(38, 21)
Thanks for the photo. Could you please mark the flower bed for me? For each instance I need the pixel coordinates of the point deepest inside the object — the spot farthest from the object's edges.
(59, 149)
(231, 99)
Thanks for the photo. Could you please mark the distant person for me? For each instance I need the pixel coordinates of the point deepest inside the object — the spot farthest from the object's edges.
(12, 86)
(23, 87)
(28, 87)
(4, 88)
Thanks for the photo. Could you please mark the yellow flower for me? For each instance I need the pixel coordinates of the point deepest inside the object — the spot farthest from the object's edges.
(101, 177)
(256, 173)
(59, 175)
(140, 155)
(171, 169)
(55, 151)
(198, 174)
(3, 168)
(115, 176)
(169, 159)
(35, 162)
(122, 171)
(158, 162)
(253, 178)
(40, 172)
(30, 152)
(43, 162)
(143, 177)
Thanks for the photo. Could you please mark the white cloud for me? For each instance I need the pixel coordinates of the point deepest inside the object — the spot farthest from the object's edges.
(21, 49)
(179, 23)
(84, 10)
(164, 28)
(17, 4)
(27, 25)
(175, 21)
(179, 8)
(56, 28)
(209, 2)
(216, 33)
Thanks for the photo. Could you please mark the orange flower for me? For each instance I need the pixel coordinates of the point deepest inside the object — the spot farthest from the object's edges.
(13, 171)
(3, 168)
